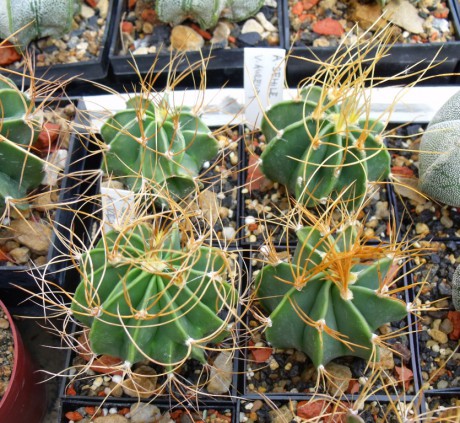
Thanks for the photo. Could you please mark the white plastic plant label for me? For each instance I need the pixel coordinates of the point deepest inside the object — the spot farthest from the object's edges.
(117, 207)
(264, 70)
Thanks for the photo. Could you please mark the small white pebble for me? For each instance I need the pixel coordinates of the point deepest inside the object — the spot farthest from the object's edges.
(112, 410)
(249, 220)
(117, 379)
(105, 412)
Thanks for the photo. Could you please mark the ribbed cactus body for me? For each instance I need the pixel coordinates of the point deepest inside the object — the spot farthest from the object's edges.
(206, 12)
(456, 288)
(305, 304)
(319, 151)
(149, 293)
(33, 19)
(439, 168)
(20, 169)
(166, 150)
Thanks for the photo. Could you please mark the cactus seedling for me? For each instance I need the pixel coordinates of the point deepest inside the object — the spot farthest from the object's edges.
(146, 294)
(439, 152)
(147, 144)
(206, 13)
(28, 20)
(20, 169)
(331, 298)
(320, 149)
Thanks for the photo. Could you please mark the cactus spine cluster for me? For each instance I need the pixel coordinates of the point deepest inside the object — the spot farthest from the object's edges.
(320, 150)
(145, 294)
(27, 20)
(330, 299)
(20, 169)
(206, 12)
(439, 169)
(149, 144)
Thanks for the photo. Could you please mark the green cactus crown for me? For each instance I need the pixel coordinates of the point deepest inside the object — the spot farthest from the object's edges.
(321, 149)
(439, 168)
(147, 144)
(148, 293)
(206, 13)
(332, 296)
(20, 169)
(27, 20)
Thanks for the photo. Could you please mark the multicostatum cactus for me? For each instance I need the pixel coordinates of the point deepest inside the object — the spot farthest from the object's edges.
(20, 169)
(206, 12)
(149, 144)
(322, 150)
(332, 296)
(28, 20)
(439, 169)
(146, 294)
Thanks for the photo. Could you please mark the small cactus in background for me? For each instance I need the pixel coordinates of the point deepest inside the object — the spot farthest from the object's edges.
(456, 288)
(320, 149)
(206, 13)
(439, 168)
(146, 294)
(332, 296)
(27, 20)
(149, 144)
(20, 169)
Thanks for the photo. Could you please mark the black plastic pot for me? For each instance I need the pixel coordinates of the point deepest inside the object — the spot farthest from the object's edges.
(225, 66)
(164, 406)
(92, 70)
(398, 61)
(67, 222)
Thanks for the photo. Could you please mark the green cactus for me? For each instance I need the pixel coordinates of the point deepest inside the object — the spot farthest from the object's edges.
(439, 167)
(330, 299)
(20, 169)
(319, 149)
(32, 19)
(143, 291)
(206, 13)
(146, 143)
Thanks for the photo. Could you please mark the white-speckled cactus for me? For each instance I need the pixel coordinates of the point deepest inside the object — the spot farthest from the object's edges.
(32, 19)
(206, 12)
(456, 288)
(439, 155)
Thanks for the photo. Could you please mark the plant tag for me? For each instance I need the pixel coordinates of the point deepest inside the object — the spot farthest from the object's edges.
(117, 207)
(263, 81)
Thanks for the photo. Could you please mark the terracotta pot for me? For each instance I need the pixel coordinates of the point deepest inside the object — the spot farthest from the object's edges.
(24, 400)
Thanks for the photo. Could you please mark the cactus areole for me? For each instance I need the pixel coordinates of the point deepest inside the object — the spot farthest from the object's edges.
(20, 169)
(328, 302)
(27, 20)
(439, 168)
(144, 295)
(206, 12)
(321, 150)
(149, 144)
